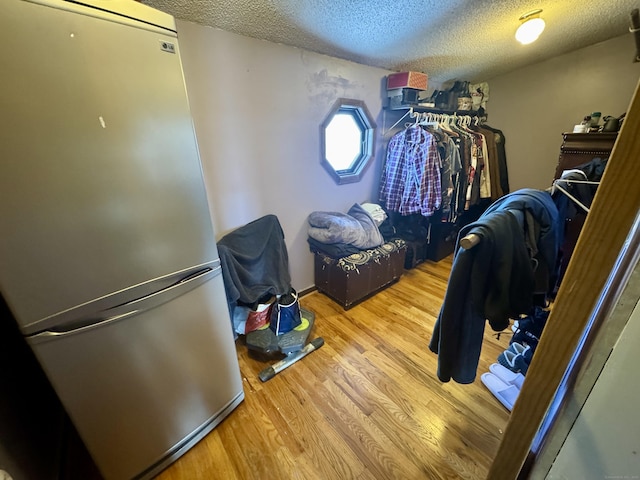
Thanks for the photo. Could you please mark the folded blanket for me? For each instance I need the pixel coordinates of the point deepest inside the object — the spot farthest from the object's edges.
(356, 227)
(333, 250)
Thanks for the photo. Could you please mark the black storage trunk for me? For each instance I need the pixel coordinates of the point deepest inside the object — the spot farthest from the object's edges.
(351, 279)
(417, 252)
(442, 240)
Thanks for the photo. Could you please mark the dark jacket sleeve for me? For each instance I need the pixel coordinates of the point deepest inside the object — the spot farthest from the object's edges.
(458, 327)
(511, 281)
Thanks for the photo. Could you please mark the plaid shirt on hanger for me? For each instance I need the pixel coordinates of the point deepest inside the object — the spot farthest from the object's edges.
(411, 180)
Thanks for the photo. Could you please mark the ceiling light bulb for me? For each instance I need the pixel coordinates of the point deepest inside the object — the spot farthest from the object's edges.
(530, 29)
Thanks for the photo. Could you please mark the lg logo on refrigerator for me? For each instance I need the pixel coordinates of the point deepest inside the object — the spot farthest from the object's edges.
(167, 47)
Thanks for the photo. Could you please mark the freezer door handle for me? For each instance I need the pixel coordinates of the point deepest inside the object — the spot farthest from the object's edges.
(129, 309)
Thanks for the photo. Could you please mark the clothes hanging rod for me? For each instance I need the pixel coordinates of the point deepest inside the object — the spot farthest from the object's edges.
(472, 239)
(587, 182)
(419, 109)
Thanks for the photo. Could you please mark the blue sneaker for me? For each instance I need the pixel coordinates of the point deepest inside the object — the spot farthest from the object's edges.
(535, 322)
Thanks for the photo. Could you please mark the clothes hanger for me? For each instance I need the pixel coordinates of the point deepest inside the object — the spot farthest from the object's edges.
(444, 121)
(409, 113)
(426, 120)
(557, 186)
(574, 199)
(415, 116)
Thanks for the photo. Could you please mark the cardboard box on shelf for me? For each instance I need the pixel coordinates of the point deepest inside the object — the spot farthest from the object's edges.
(415, 80)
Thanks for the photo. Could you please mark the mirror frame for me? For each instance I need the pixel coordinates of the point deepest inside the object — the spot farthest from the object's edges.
(358, 110)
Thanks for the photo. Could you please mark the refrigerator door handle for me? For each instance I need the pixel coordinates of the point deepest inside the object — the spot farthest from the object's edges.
(192, 277)
(131, 308)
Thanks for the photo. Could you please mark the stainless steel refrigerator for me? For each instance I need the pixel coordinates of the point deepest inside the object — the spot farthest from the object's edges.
(107, 254)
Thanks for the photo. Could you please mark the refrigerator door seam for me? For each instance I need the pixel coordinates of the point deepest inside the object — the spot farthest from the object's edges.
(154, 20)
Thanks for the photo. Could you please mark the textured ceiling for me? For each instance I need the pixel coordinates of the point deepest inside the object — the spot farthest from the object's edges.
(447, 39)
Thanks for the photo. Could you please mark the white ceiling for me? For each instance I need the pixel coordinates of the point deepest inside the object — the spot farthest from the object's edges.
(447, 39)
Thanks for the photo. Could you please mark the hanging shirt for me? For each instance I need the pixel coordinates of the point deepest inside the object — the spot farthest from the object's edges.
(464, 142)
(451, 166)
(473, 176)
(485, 171)
(479, 176)
(411, 178)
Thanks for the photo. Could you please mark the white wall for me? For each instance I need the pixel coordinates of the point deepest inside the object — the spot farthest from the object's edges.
(534, 105)
(257, 108)
(605, 439)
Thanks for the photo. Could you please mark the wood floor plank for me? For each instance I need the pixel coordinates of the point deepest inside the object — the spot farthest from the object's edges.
(364, 438)
(328, 449)
(367, 405)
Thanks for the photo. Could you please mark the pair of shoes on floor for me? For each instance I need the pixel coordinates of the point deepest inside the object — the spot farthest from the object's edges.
(517, 357)
(503, 383)
(527, 330)
(533, 323)
(525, 337)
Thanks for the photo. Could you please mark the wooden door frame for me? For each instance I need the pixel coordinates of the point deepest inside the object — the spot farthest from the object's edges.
(610, 219)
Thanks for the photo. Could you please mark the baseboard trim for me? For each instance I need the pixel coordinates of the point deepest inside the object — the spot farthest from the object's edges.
(307, 291)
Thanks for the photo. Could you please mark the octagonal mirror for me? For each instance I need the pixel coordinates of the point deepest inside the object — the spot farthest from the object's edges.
(347, 138)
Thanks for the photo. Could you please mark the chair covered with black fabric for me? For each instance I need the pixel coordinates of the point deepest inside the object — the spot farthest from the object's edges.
(255, 262)
(255, 266)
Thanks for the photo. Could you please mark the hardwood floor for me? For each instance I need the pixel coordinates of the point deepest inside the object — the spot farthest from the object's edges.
(367, 405)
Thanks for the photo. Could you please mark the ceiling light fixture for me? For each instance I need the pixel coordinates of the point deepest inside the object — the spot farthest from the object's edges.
(531, 27)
